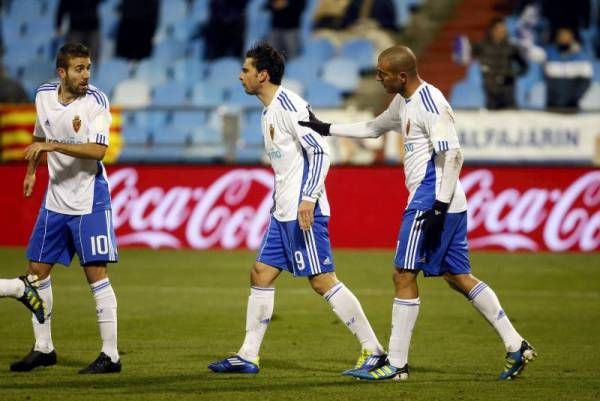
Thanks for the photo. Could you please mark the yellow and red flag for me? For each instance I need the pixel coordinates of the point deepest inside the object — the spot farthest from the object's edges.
(16, 131)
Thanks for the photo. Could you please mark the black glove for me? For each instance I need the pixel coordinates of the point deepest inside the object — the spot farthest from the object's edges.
(315, 124)
(433, 222)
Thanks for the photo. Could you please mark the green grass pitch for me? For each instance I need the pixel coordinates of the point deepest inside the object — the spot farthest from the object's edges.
(180, 310)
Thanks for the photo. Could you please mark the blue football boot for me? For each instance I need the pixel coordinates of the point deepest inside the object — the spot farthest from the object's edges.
(234, 364)
(385, 372)
(367, 361)
(516, 361)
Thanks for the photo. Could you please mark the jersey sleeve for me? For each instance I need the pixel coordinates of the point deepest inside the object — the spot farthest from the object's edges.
(38, 132)
(317, 153)
(99, 126)
(387, 121)
(438, 122)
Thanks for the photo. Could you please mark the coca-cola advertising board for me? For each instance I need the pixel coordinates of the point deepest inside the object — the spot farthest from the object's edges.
(206, 207)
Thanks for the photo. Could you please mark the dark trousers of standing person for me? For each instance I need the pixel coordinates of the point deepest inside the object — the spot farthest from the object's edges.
(286, 41)
(500, 96)
(89, 38)
(224, 40)
(134, 39)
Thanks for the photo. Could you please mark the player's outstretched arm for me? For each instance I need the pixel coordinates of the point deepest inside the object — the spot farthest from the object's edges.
(383, 123)
(320, 127)
(92, 151)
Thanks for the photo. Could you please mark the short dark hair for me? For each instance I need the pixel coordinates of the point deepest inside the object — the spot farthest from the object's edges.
(69, 51)
(268, 58)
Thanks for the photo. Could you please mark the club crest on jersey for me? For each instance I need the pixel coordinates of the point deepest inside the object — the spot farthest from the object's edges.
(76, 123)
(272, 132)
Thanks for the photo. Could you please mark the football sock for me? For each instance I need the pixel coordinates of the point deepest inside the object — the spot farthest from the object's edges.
(43, 332)
(106, 312)
(404, 317)
(486, 302)
(11, 288)
(258, 316)
(348, 309)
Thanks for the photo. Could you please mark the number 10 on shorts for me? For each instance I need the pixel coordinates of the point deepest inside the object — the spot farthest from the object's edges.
(99, 245)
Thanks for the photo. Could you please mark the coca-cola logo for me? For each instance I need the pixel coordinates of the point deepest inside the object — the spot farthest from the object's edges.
(216, 215)
(232, 210)
(568, 217)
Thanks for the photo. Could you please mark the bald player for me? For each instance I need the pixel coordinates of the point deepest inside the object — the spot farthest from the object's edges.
(433, 234)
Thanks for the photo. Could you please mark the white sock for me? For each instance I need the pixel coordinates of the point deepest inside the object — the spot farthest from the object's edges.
(106, 312)
(486, 302)
(404, 317)
(11, 288)
(43, 332)
(258, 316)
(348, 309)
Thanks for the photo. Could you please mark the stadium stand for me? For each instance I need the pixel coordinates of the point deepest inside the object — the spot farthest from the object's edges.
(176, 79)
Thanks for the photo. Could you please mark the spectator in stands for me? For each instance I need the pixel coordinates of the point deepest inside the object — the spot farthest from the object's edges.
(530, 33)
(342, 20)
(329, 14)
(11, 90)
(139, 19)
(343, 14)
(225, 31)
(568, 71)
(574, 15)
(383, 12)
(285, 25)
(501, 62)
(84, 23)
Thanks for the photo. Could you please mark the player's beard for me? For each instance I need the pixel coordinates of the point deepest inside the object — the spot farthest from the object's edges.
(401, 89)
(393, 89)
(75, 87)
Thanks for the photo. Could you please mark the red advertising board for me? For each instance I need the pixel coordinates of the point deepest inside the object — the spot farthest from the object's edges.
(203, 207)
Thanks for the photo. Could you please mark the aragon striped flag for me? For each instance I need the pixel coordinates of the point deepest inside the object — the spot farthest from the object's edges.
(16, 131)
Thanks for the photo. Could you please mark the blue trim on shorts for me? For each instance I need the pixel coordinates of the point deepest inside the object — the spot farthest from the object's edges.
(57, 237)
(303, 253)
(452, 256)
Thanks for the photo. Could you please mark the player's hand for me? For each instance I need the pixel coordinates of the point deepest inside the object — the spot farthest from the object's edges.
(28, 184)
(315, 124)
(433, 223)
(306, 215)
(33, 151)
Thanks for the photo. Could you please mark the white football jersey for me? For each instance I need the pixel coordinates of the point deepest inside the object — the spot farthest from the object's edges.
(76, 186)
(299, 156)
(426, 122)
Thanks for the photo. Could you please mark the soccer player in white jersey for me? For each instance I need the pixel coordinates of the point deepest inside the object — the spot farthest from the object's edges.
(433, 234)
(72, 128)
(297, 237)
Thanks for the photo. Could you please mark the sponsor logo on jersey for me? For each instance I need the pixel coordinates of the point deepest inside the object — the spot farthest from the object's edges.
(76, 123)
(275, 154)
(47, 123)
(327, 261)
